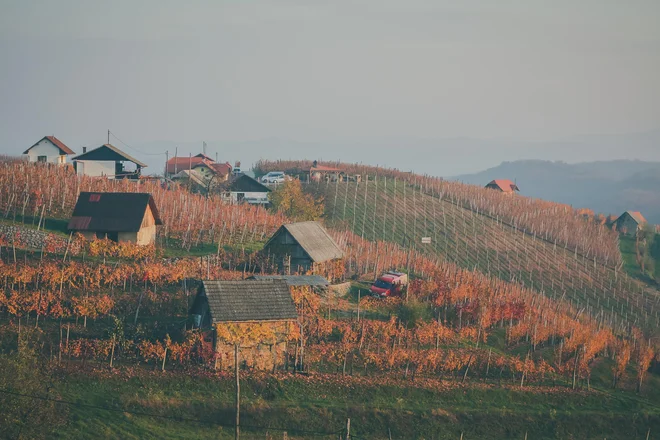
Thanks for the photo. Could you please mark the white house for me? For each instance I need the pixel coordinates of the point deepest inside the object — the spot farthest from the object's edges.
(107, 161)
(50, 150)
(245, 189)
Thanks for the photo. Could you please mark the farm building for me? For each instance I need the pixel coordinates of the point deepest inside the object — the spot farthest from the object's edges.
(131, 217)
(107, 161)
(218, 172)
(319, 173)
(177, 164)
(630, 222)
(246, 302)
(49, 150)
(504, 185)
(299, 246)
(245, 189)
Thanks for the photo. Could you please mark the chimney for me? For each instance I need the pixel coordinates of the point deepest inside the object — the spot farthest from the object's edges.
(84, 149)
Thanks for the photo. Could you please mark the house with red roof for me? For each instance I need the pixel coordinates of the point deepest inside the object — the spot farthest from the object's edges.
(48, 150)
(503, 185)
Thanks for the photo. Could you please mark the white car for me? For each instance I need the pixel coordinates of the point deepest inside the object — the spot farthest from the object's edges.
(274, 177)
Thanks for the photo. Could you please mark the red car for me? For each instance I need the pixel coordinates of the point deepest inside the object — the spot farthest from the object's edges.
(389, 284)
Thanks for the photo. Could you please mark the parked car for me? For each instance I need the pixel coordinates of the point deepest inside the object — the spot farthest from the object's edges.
(389, 284)
(274, 177)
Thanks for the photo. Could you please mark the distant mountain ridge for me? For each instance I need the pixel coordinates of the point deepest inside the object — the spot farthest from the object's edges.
(608, 187)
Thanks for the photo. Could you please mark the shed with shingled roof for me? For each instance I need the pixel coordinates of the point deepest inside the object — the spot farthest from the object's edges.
(630, 222)
(131, 217)
(296, 247)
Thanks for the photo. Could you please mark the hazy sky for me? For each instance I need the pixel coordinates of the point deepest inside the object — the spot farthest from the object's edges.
(326, 71)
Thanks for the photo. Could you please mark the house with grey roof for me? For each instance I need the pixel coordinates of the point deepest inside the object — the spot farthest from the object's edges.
(297, 247)
(630, 222)
(107, 161)
(246, 302)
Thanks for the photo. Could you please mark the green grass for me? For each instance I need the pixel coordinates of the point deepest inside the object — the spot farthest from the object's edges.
(408, 410)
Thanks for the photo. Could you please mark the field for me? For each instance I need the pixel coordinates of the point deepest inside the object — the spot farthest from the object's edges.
(386, 210)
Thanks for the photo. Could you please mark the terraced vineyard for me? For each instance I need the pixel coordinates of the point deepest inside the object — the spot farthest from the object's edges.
(389, 210)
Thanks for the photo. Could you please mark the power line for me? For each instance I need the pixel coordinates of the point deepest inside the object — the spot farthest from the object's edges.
(160, 416)
(133, 148)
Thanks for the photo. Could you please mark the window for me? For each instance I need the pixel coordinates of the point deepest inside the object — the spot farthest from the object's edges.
(95, 197)
(42, 158)
(240, 197)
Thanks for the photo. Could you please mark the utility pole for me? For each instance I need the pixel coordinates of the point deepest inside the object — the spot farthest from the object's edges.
(108, 135)
(167, 159)
(176, 152)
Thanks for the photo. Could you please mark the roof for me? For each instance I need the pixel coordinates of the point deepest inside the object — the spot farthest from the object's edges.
(177, 164)
(55, 141)
(314, 239)
(203, 156)
(111, 212)
(636, 215)
(108, 152)
(249, 300)
(245, 183)
(503, 184)
(295, 280)
(221, 168)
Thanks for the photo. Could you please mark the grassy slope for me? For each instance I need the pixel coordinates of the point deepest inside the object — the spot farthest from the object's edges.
(408, 409)
(473, 240)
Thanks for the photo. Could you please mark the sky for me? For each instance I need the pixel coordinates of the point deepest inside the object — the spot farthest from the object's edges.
(388, 82)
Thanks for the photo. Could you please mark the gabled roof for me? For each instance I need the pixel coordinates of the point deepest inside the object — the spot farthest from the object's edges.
(314, 240)
(221, 169)
(635, 215)
(108, 152)
(295, 280)
(245, 183)
(177, 164)
(204, 156)
(248, 300)
(56, 142)
(111, 212)
(505, 185)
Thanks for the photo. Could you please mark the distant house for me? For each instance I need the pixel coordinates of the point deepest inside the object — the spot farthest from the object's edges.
(177, 164)
(245, 189)
(214, 172)
(504, 185)
(107, 161)
(299, 246)
(247, 301)
(318, 173)
(49, 150)
(630, 222)
(131, 217)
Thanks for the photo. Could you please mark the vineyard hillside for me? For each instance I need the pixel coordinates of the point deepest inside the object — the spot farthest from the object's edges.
(468, 226)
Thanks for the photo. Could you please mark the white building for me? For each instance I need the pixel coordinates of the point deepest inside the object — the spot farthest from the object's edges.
(48, 150)
(245, 189)
(107, 161)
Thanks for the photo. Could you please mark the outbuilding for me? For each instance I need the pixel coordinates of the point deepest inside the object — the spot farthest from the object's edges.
(503, 185)
(297, 247)
(245, 189)
(49, 149)
(131, 217)
(246, 302)
(630, 222)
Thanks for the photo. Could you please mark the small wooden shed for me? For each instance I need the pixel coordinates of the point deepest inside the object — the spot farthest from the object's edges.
(246, 301)
(296, 247)
(630, 222)
(131, 217)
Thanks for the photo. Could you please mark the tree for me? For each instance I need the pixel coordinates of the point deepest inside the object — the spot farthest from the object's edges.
(290, 200)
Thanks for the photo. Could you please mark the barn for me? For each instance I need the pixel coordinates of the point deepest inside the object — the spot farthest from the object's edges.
(630, 222)
(129, 217)
(297, 247)
(49, 149)
(246, 302)
(503, 185)
(245, 189)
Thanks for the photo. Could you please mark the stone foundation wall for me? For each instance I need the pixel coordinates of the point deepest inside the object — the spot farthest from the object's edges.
(25, 237)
